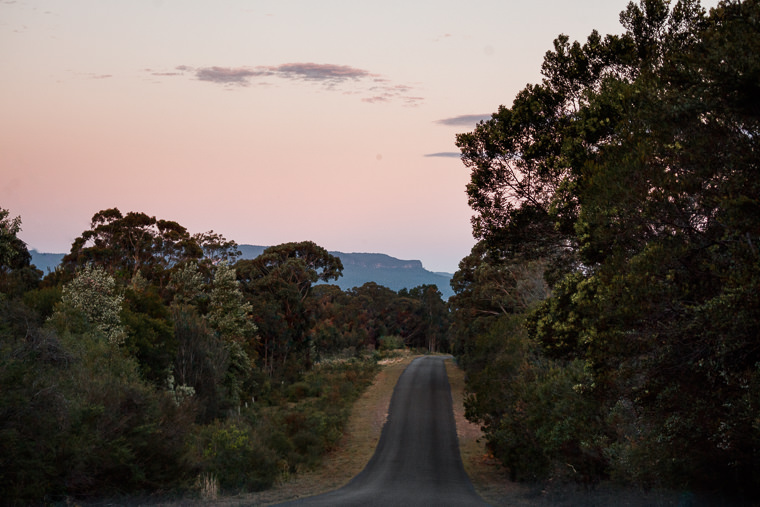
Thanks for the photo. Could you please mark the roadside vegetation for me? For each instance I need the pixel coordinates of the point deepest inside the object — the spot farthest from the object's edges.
(153, 362)
(608, 317)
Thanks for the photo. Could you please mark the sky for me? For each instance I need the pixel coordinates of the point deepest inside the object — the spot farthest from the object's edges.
(265, 121)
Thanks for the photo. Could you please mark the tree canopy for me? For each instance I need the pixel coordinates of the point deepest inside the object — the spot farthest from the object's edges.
(136, 242)
(13, 251)
(630, 172)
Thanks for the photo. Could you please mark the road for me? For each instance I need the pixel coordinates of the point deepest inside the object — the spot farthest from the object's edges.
(417, 459)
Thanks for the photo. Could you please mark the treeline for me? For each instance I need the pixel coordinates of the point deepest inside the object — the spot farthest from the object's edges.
(154, 361)
(609, 317)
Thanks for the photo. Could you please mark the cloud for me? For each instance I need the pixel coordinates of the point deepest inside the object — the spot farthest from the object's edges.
(412, 101)
(227, 75)
(319, 71)
(465, 120)
(323, 72)
(444, 154)
(376, 99)
(372, 88)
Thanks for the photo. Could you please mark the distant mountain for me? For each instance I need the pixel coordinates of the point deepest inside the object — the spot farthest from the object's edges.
(358, 269)
(46, 262)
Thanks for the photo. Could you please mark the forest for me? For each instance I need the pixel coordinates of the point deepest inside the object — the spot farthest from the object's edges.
(607, 318)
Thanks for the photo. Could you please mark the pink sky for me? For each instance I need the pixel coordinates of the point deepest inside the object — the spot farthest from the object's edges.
(267, 122)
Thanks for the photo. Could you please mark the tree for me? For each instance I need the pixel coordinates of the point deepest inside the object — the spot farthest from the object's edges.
(127, 244)
(431, 314)
(13, 251)
(187, 285)
(229, 314)
(372, 308)
(149, 332)
(216, 248)
(669, 223)
(201, 362)
(526, 155)
(136, 242)
(277, 284)
(92, 294)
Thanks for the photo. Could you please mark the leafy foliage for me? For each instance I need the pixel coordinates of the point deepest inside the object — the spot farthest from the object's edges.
(277, 284)
(92, 293)
(13, 251)
(630, 173)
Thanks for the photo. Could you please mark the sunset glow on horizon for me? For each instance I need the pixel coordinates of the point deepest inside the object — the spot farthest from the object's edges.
(267, 122)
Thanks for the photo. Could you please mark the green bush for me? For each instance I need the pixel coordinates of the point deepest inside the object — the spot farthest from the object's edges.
(301, 390)
(390, 342)
(311, 420)
(537, 421)
(237, 456)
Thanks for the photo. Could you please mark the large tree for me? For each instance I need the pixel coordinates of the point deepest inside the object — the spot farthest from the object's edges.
(277, 284)
(136, 242)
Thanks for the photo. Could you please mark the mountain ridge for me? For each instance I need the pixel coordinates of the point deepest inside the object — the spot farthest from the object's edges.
(358, 269)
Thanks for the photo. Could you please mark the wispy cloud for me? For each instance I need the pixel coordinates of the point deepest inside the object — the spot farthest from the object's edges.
(226, 75)
(465, 120)
(444, 154)
(376, 99)
(319, 72)
(373, 88)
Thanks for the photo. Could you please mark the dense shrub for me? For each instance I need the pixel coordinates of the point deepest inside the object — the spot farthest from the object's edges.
(291, 432)
(236, 455)
(391, 342)
(136, 367)
(537, 422)
(77, 419)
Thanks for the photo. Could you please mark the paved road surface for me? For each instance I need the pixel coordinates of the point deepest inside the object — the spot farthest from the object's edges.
(417, 459)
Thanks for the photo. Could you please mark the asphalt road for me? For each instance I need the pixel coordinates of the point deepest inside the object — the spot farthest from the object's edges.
(417, 459)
